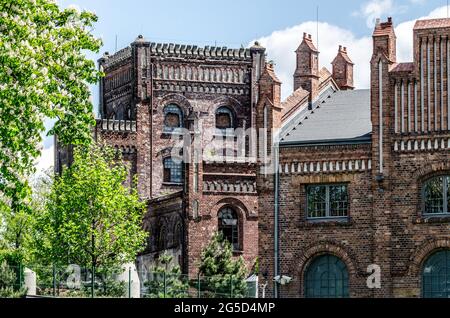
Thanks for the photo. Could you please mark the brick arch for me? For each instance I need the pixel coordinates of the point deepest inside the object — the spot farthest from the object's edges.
(317, 249)
(234, 105)
(304, 259)
(237, 204)
(423, 252)
(430, 169)
(177, 99)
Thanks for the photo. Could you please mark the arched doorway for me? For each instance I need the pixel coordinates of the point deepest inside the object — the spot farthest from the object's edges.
(326, 277)
(436, 275)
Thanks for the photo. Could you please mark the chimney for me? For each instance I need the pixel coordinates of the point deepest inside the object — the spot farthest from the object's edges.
(306, 75)
(343, 69)
(385, 40)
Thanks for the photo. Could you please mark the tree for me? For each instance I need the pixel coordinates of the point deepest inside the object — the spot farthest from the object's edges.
(223, 276)
(167, 280)
(44, 73)
(8, 283)
(91, 217)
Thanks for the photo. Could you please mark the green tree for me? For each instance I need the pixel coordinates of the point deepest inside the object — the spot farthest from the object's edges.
(223, 276)
(44, 73)
(167, 281)
(91, 217)
(8, 283)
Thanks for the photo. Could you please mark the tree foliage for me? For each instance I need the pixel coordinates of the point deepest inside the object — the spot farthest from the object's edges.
(167, 281)
(8, 282)
(223, 276)
(91, 217)
(44, 73)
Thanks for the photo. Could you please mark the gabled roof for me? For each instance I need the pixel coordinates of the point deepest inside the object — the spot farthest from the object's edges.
(343, 54)
(293, 101)
(299, 98)
(342, 116)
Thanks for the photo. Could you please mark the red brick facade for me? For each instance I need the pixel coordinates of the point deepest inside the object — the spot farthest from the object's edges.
(408, 143)
(386, 224)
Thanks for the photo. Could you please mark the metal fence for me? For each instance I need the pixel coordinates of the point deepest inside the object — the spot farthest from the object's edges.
(74, 281)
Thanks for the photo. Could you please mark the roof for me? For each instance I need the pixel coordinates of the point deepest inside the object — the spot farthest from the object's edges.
(403, 67)
(342, 116)
(298, 98)
(294, 100)
(384, 28)
(270, 72)
(432, 24)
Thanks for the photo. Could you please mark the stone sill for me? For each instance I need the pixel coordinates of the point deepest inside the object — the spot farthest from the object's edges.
(238, 253)
(437, 219)
(343, 222)
(170, 184)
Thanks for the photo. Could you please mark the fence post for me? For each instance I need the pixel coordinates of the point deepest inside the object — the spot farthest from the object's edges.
(92, 280)
(199, 294)
(231, 286)
(129, 282)
(20, 275)
(165, 284)
(54, 280)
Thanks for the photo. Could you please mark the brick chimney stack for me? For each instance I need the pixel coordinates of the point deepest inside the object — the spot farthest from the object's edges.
(385, 40)
(343, 69)
(306, 74)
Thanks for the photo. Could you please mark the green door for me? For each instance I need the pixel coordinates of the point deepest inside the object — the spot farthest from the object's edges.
(436, 276)
(326, 277)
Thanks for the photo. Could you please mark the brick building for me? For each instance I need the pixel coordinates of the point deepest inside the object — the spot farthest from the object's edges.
(362, 185)
(157, 98)
(320, 187)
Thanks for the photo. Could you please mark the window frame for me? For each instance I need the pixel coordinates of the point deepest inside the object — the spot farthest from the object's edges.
(171, 181)
(445, 198)
(235, 229)
(180, 113)
(225, 131)
(328, 215)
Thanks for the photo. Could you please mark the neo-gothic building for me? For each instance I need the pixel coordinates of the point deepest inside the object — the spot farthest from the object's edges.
(361, 177)
(363, 182)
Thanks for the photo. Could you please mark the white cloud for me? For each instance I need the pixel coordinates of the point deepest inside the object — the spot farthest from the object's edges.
(281, 45)
(375, 9)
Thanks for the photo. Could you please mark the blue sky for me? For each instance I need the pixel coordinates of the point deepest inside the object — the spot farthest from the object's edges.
(277, 24)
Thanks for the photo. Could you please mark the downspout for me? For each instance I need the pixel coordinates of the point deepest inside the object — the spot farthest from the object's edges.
(276, 212)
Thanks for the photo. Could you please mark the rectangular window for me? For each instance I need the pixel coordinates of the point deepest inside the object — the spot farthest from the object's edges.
(173, 171)
(327, 201)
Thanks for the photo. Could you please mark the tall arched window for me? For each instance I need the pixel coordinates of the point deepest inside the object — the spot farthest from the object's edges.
(173, 118)
(224, 118)
(161, 244)
(436, 275)
(178, 235)
(229, 226)
(326, 277)
(436, 196)
(173, 171)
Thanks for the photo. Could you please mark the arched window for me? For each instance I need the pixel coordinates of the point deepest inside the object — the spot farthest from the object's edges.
(436, 196)
(436, 276)
(173, 171)
(173, 118)
(326, 277)
(224, 118)
(229, 226)
(161, 246)
(178, 235)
